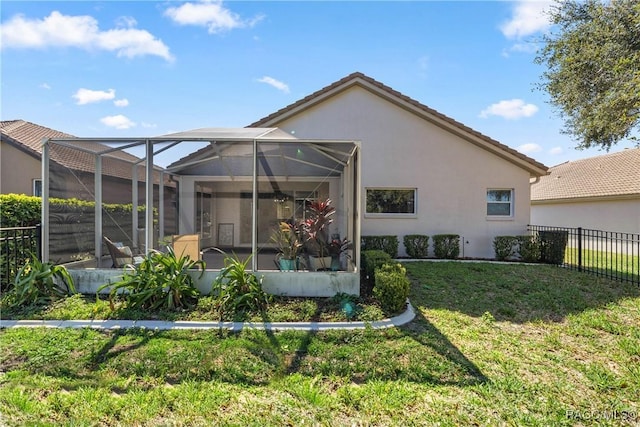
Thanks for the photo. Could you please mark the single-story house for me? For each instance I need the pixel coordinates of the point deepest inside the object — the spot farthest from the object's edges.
(422, 172)
(598, 193)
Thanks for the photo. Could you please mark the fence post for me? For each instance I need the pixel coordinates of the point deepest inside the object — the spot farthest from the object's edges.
(39, 241)
(579, 248)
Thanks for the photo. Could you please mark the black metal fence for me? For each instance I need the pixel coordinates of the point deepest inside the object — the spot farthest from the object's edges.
(605, 253)
(17, 244)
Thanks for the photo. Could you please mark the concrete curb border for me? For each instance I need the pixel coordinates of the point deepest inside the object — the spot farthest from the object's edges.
(408, 315)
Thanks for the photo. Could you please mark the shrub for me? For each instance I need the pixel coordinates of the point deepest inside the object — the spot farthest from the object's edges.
(371, 260)
(416, 245)
(552, 245)
(237, 291)
(446, 246)
(388, 244)
(529, 248)
(505, 247)
(161, 280)
(391, 287)
(38, 283)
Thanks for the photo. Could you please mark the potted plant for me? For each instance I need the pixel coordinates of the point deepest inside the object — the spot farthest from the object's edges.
(316, 242)
(287, 239)
(337, 248)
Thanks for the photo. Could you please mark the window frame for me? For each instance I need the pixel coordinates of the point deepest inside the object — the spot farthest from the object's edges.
(414, 214)
(510, 202)
(34, 187)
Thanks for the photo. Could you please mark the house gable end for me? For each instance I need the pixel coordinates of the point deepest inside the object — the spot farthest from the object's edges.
(428, 114)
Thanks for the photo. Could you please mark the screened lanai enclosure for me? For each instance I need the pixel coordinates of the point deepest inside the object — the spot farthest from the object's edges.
(230, 187)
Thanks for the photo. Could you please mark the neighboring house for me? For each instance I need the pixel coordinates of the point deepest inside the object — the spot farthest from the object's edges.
(600, 193)
(72, 170)
(422, 172)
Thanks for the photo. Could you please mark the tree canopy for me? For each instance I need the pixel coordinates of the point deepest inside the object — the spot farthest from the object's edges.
(593, 69)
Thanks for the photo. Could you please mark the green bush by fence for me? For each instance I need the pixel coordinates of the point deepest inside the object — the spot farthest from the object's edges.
(546, 247)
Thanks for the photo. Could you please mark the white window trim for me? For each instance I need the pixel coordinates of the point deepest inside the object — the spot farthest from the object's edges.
(391, 214)
(511, 205)
(33, 187)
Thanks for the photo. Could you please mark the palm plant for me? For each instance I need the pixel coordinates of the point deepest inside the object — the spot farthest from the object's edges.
(39, 282)
(161, 280)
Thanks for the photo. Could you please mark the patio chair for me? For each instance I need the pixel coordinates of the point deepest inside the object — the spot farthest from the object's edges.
(120, 255)
(187, 245)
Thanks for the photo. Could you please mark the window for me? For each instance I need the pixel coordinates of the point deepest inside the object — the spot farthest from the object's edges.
(391, 201)
(37, 187)
(499, 202)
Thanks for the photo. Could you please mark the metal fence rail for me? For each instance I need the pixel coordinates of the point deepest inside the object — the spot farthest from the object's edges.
(17, 244)
(605, 253)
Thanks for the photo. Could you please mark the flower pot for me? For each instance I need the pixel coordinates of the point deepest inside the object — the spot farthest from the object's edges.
(319, 263)
(287, 264)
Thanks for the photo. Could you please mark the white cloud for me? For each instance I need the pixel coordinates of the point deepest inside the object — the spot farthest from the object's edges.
(529, 148)
(275, 83)
(528, 18)
(87, 96)
(210, 14)
(118, 122)
(509, 109)
(58, 30)
(148, 125)
(556, 150)
(45, 86)
(121, 102)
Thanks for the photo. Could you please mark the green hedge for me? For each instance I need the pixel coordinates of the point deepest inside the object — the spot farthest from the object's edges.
(546, 247)
(416, 245)
(446, 246)
(505, 247)
(389, 244)
(19, 210)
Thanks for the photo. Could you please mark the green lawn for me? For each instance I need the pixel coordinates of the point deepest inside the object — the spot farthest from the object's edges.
(491, 345)
(615, 265)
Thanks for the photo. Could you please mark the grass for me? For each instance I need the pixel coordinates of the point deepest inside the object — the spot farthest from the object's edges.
(491, 345)
(616, 265)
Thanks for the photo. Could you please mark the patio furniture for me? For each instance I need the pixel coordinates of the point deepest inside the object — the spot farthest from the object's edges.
(187, 245)
(120, 255)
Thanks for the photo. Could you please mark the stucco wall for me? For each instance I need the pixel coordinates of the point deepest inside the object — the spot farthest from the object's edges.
(14, 179)
(400, 149)
(609, 215)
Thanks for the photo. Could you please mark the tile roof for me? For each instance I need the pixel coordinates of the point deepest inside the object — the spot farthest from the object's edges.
(28, 136)
(608, 175)
(406, 102)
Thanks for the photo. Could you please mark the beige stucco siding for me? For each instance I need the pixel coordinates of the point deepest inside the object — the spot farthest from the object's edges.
(403, 150)
(609, 215)
(17, 170)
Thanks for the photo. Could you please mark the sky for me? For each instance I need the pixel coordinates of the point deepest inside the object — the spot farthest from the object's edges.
(148, 68)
